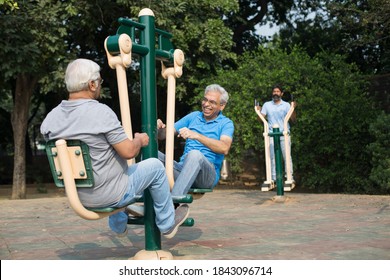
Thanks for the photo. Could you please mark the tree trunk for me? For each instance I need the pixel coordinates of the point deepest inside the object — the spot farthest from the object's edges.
(24, 88)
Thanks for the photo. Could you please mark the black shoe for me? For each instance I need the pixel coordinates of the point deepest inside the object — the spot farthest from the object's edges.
(135, 210)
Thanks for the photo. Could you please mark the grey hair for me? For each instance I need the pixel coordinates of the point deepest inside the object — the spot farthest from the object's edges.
(221, 90)
(79, 72)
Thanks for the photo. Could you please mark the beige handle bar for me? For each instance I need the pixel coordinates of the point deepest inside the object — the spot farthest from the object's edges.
(266, 147)
(287, 145)
(120, 63)
(171, 74)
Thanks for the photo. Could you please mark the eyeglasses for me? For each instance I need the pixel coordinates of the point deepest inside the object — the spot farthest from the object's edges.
(212, 102)
(100, 81)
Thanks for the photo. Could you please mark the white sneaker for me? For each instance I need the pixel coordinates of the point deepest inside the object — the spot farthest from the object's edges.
(135, 210)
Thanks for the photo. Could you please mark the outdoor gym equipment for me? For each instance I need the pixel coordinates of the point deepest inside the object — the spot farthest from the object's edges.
(148, 54)
(269, 184)
(70, 161)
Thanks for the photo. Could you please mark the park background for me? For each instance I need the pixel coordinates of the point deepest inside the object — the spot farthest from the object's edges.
(333, 57)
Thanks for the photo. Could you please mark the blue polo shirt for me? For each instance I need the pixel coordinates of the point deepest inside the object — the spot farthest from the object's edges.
(214, 129)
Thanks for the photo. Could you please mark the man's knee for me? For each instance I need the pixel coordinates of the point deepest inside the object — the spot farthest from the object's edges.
(153, 163)
(195, 155)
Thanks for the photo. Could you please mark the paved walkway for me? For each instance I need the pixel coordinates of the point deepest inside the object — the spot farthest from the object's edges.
(229, 224)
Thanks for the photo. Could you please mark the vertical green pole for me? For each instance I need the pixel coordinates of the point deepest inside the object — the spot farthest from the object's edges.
(149, 121)
(278, 161)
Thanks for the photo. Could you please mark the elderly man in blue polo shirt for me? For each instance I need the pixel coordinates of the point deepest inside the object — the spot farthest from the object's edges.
(208, 135)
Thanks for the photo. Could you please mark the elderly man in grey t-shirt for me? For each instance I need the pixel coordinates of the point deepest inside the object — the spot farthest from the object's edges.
(82, 117)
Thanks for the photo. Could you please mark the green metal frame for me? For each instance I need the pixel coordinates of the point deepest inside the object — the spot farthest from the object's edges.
(276, 134)
(145, 46)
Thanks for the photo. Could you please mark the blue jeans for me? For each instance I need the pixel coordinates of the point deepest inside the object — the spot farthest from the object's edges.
(272, 156)
(195, 170)
(147, 174)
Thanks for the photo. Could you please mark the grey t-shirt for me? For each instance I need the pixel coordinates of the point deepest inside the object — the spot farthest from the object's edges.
(98, 126)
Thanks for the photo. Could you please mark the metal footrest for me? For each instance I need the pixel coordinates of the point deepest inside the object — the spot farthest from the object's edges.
(200, 190)
(176, 199)
(183, 199)
(267, 186)
(103, 209)
(289, 185)
(189, 222)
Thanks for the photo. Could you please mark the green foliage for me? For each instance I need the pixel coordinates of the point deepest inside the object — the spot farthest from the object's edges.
(357, 29)
(365, 29)
(334, 113)
(380, 151)
(336, 116)
(198, 30)
(32, 40)
(8, 6)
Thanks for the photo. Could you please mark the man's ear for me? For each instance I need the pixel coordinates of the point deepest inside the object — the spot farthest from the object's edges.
(92, 85)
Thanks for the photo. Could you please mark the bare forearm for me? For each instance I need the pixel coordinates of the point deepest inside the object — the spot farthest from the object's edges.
(128, 149)
(221, 146)
(136, 147)
(217, 146)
